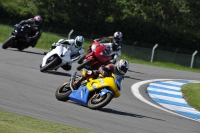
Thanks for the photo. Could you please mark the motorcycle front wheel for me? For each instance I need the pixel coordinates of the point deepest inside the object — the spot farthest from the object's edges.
(97, 102)
(80, 61)
(63, 92)
(8, 42)
(86, 63)
(52, 62)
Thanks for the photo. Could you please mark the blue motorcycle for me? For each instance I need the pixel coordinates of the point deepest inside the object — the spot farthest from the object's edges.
(93, 93)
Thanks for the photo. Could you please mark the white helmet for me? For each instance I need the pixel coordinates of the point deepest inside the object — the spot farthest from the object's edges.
(122, 66)
(79, 41)
(118, 35)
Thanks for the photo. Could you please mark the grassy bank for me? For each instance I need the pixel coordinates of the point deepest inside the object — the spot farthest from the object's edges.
(10, 123)
(191, 93)
(21, 124)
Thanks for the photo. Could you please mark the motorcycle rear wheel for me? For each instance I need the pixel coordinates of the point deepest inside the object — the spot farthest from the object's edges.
(93, 104)
(63, 92)
(86, 63)
(55, 61)
(20, 47)
(8, 42)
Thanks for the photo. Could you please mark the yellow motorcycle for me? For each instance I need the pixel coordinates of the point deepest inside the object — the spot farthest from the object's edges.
(93, 93)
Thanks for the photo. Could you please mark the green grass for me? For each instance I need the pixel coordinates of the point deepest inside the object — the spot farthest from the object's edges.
(10, 123)
(191, 93)
(161, 64)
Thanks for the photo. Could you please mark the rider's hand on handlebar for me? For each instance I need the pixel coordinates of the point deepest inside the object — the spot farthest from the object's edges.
(28, 39)
(16, 25)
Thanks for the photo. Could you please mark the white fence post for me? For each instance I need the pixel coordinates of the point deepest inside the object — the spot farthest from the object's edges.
(152, 55)
(70, 33)
(192, 60)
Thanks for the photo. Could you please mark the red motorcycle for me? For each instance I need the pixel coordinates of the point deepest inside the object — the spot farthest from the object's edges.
(90, 49)
(93, 59)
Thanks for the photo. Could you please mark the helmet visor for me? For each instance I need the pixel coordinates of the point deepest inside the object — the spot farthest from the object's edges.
(79, 44)
(117, 38)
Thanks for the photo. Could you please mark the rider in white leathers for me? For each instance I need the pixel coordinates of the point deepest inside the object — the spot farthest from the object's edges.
(76, 49)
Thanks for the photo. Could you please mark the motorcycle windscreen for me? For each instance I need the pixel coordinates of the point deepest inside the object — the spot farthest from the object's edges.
(80, 96)
(94, 45)
(103, 53)
(23, 30)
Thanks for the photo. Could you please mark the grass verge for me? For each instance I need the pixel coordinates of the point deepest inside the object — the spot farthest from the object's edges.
(10, 123)
(191, 93)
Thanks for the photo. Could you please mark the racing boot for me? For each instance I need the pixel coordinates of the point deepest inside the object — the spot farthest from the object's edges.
(77, 83)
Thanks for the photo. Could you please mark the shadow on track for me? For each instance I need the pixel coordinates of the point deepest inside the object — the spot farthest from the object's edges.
(112, 111)
(26, 51)
(132, 78)
(58, 73)
(135, 72)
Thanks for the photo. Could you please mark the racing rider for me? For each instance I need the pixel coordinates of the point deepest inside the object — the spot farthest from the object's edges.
(115, 42)
(76, 49)
(119, 70)
(36, 29)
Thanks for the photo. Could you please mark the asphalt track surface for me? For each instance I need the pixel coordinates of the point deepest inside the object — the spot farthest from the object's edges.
(27, 91)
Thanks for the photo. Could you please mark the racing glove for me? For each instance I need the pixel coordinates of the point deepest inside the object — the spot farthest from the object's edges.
(103, 71)
(28, 39)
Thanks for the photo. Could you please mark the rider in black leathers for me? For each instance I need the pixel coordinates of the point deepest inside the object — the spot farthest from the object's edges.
(36, 29)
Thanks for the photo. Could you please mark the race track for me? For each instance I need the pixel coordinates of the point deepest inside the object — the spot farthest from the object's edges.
(27, 91)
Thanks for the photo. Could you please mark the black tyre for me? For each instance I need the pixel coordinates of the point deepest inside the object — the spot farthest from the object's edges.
(53, 61)
(8, 42)
(20, 47)
(96, 102)
(63, 92)
(86, 63)
(80, 61)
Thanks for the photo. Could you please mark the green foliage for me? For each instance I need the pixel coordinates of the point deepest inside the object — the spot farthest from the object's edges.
(16, 8)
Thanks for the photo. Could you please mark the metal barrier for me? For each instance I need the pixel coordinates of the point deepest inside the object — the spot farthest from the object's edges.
(148, 54)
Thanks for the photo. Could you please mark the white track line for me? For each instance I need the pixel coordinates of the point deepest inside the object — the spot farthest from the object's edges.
(135, 90)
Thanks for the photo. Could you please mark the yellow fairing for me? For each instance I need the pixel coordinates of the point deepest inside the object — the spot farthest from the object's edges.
(102, 82)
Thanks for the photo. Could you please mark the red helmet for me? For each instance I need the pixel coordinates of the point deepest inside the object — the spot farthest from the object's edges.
(38, 19)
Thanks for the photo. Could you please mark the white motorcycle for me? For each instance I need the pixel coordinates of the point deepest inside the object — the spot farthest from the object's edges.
(58, 57)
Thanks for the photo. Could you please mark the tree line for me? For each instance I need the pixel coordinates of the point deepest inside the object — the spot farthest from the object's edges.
(173, 24)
